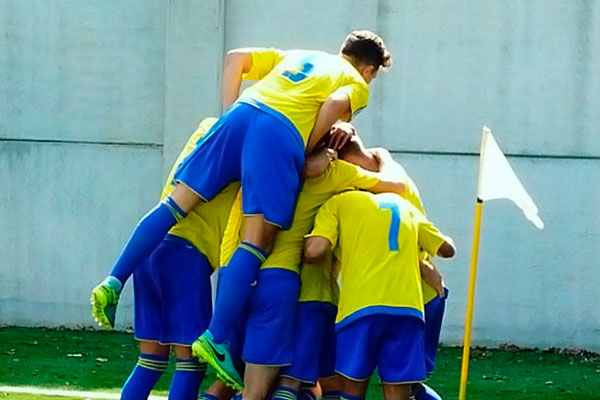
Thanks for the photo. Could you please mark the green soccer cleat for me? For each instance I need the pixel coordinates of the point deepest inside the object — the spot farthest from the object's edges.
(218, 356)
(104, 301)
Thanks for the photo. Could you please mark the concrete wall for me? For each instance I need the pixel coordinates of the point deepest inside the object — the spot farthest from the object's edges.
(96, 99)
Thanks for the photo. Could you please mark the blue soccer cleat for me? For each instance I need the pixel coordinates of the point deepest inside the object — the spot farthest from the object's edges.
(217, 356)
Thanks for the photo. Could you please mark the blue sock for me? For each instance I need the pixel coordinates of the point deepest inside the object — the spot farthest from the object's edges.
(284, 393)
(346, 396)
(208, 396)
(235, 288)
(427, 393)
(148, 233)
(144, 376)
(306, 394)
(187, 379)
(331, 395)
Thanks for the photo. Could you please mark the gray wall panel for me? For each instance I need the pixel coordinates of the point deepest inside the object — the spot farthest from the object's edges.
(66, 212)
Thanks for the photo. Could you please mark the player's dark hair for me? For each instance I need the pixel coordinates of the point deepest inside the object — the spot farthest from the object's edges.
(367, 48)
(352, 147)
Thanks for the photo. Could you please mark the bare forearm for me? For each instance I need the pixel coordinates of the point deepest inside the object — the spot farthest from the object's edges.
(331, 111)
(236, 64)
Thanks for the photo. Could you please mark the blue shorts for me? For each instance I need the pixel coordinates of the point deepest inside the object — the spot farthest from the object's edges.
(269, 331)
(434, 314)
(172, 294)
(314, 349)
(393, 344)
(260, 147)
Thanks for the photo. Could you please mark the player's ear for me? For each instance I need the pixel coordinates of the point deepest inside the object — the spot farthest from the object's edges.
(369, 72)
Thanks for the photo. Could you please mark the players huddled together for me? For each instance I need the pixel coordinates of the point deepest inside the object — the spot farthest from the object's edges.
(321, 245)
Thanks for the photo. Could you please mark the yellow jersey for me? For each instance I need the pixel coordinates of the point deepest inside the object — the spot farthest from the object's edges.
(203, 227)
(287, 248)
(296, 83)
(377, 240)
(319, 281)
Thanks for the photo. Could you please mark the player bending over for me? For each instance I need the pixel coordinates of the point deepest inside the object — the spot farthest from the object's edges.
(260, 140)
(172, 292)
(269, 328)
(380, 317)
(434, 291)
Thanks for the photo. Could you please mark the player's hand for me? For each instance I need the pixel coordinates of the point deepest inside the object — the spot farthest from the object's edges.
(340, 133)
(432, 276)
(318, 162)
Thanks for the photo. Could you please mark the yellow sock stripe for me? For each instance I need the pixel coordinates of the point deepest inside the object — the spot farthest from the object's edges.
(252, 250)
(283, 394)
(153, 364)
(176, 214)
(190, 367)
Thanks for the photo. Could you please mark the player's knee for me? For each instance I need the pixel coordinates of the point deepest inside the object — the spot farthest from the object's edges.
(183, 352)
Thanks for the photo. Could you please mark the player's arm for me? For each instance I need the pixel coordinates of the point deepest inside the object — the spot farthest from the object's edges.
(431, 275)
(324, 235)
(388, 186)
(317, 163)
(447, 249)
(251, 63)
(237, 63)
(432, 240)
(336, 107)
(315, 249)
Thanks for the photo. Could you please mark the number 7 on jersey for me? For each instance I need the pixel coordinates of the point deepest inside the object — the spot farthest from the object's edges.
(394, 224)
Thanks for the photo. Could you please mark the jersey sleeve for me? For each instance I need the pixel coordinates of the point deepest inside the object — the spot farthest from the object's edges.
(326, 222)
(430, 238)
(358, 94)
(354, 176)
(263, 61)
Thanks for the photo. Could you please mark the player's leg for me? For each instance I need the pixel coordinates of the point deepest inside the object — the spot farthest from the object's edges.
(269, 338)
(182, 275)
(286, 389)
(329, 381)
(401, 360)
(434, 314)
(353, 389)
(148, 320)
(218, 391)
(309, 351)
(201, 176)
(424, 392)
(357, 346)
(270, 186)
(144, 239)
(188, 376)
(258, 380)
(331, 387)
(152, 362)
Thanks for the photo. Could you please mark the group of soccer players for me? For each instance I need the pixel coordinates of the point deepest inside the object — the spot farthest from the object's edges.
(322, 246)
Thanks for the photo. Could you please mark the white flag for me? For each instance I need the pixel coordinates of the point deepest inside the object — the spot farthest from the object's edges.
(497, 180)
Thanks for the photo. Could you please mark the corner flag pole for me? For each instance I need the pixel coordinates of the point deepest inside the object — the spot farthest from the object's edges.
(464, 372)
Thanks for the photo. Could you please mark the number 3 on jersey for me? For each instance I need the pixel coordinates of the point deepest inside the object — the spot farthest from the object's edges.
(299, 75)
(394, 224)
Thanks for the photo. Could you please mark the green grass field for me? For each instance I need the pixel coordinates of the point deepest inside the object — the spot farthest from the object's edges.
(101, 361)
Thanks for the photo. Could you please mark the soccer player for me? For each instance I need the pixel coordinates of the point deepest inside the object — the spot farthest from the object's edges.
(380, 315)
(261, 140)
(269, 330)
(434, 291)
(314, 354)
(172, 292)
